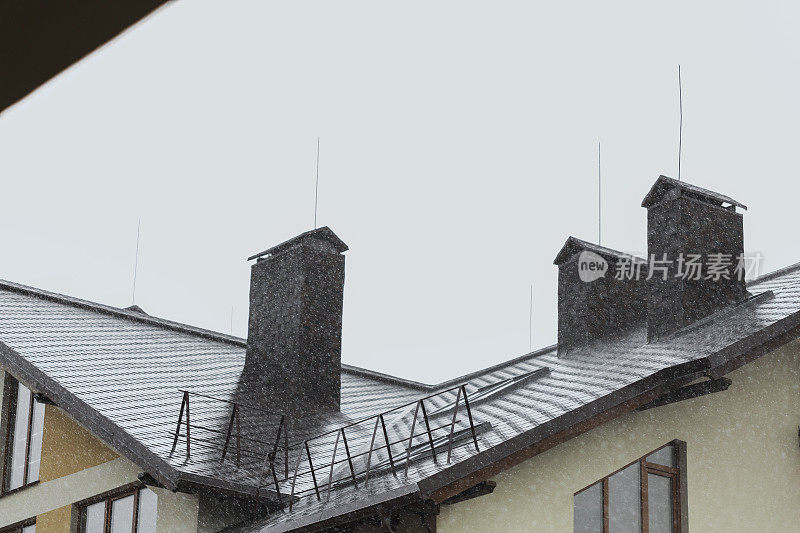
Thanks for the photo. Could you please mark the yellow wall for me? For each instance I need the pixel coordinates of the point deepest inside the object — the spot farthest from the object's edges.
(51, 495)
(743, 460)
(67, 447)
(55, 521)
(75, 466)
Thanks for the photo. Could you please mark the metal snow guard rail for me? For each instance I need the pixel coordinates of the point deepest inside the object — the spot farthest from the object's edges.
(303, 449)
(223, 445)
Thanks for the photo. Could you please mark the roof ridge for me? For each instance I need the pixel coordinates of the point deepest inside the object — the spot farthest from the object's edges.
(183, 328)
(426, 387)
(656, 192)
(471, 375)
(121, 313)
(388, 378)
(775, 273)
(566, 252)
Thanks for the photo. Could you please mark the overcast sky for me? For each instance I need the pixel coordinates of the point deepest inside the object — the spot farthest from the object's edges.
(458, 152)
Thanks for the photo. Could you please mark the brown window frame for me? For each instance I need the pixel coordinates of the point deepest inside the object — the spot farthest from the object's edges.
(673, 473)
(9, 410)
(679, 493)
(132, 489)
(19, 526)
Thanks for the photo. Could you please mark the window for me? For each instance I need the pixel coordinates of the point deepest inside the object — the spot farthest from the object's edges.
(130, 511)
(28, 526)
(643, 497)
(24, 429)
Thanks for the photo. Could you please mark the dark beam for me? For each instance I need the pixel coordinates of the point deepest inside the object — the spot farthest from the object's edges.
(40, 38)
(149, 480)
(41, 398)
(481, 489)
(689, 391)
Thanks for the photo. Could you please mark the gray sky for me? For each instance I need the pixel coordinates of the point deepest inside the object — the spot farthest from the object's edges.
(459, 146)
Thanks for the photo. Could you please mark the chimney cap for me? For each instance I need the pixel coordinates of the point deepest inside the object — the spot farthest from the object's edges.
(665, 184)
(575, 245)
(320, 234)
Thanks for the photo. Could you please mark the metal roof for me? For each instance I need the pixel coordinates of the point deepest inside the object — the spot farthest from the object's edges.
(576, 388)
(120, 372)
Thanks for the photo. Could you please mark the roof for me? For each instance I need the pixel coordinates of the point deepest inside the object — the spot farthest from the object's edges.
(139, 364)
(573, 245)
(576, 388)
(665, 184)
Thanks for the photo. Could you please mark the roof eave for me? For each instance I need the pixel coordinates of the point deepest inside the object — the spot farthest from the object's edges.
(97, 424)
(482, 466)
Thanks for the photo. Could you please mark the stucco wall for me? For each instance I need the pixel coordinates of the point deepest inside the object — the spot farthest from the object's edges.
(75, 466)
(67, 447)
(743, 460)
(177, 512)
(51, 495)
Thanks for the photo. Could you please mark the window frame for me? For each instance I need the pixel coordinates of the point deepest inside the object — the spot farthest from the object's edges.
(676, 473)
(19, 526)
(672, 473)
(9, 408)
(108, 498)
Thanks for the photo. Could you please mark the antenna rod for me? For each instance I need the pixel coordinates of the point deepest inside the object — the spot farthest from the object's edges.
(316, 187)
(599, 203)
(136, 261)
(680, 127)
(530, 323)
(231, 320)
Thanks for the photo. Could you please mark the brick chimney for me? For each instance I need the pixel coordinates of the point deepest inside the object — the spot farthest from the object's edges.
(683, 221)
(294, 335)
(600, 294)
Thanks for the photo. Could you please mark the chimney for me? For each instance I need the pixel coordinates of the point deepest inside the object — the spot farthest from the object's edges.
(294, 336)
(601, 293)
(685, 221)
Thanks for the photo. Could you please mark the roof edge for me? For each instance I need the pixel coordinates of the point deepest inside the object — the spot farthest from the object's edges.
(121, 313)
(573, 245)
(231, 339)
(425, 387)
(665, 183)
(100, 426)
(511, 452)
(324, 233)
(775, 273)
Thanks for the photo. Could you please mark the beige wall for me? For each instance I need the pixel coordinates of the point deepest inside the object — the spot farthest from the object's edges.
(67, 447)
(742, 451)
(177, 512)
(51, 495)
(76, 466)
